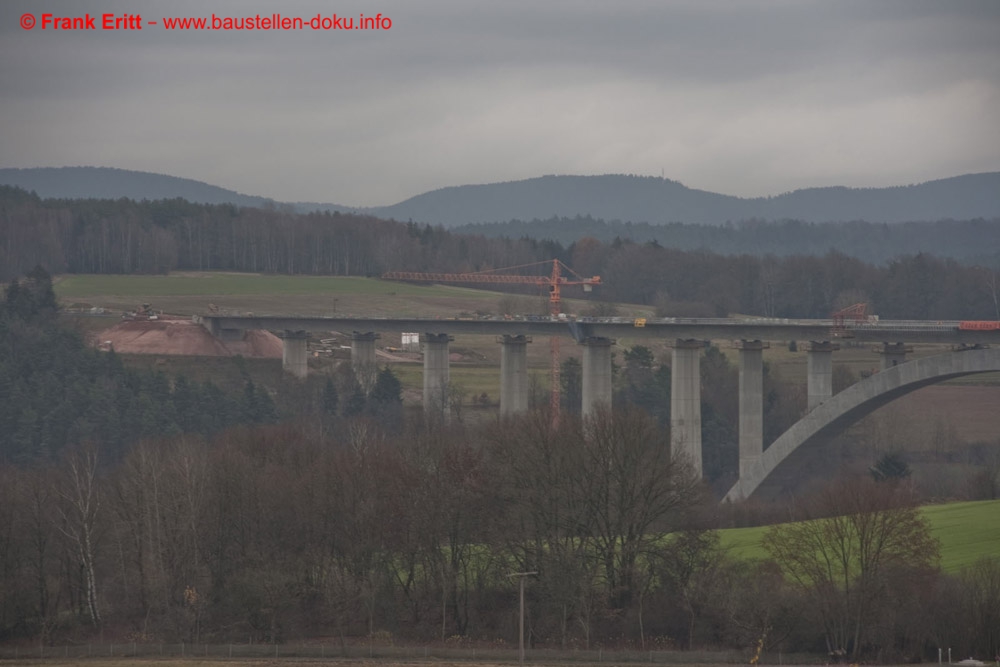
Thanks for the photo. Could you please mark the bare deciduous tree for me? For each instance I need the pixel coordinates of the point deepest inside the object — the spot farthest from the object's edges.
(690, 565)
(636, 491)
(79, 509)
(981, 593)
(857, 537)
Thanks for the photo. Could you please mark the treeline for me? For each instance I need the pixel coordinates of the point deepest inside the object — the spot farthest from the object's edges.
(701, 283)
(101, 236)
(56, 391)
(275, 534)
(124, 236)
(968, 241)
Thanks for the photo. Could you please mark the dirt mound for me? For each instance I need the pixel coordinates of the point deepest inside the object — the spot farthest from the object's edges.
(182, 336)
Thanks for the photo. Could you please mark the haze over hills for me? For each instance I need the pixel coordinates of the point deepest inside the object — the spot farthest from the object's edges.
(659, 201)
(110, 183)
(609, 197)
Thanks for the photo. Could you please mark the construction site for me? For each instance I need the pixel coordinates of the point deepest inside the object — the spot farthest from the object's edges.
(147, 331)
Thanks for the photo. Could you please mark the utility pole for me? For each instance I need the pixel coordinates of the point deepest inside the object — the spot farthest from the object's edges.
(521, 576)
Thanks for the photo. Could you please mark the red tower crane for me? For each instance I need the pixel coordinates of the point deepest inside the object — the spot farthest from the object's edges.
(555, 281)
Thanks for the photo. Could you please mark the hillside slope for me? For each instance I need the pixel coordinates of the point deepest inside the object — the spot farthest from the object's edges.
(108, 183)
(608, 197)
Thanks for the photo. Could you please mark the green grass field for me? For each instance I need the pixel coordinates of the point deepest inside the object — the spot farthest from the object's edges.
(469, 381)
(184, 293)
(967, 531)
(223, 284)
(188, 293)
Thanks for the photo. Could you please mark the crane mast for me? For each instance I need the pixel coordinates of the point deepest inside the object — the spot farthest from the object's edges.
(555, 281)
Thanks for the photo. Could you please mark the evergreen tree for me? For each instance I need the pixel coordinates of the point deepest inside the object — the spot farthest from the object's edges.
(891, 467)
(355, 403)
(329, 399)
(218, 410)
(13, 298)
(267, 410)
(186, 406)
(33, 297)
(257, 406)
(41, 287)
(386, 400)
(644, 387)
(248, 407)
(571, 383)
(388, 389)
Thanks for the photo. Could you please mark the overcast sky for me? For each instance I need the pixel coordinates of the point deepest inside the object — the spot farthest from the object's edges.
(750, 98)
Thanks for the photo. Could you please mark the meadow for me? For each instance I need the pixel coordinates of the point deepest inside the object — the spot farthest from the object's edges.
(966, 531)
(228, 284)
(184, 293)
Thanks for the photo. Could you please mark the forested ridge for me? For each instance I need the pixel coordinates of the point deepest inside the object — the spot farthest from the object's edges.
(969, 241)
(123, 236)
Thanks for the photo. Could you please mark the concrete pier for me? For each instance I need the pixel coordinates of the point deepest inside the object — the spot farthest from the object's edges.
(363, 358)
(819, 372)
(436, 373)
(751, 403)
(513, 374)
(596, 374)
(293, 353)
(685, 401)
(893, 354)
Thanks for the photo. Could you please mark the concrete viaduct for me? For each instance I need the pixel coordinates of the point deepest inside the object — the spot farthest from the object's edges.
(827, 414)
(837, 412)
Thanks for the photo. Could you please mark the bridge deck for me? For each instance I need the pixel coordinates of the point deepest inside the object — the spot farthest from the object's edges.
(772, 329)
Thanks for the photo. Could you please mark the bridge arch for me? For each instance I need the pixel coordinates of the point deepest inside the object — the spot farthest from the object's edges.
(859, 400)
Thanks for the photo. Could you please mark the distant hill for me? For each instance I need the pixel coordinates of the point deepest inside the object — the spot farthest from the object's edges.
(659, 201)
(636, 199)
(108, 183)
(611, 197)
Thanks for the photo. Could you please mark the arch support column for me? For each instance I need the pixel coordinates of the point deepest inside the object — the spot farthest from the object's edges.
(751, 403)
(893, 354)
(819, 365)
(685, 401)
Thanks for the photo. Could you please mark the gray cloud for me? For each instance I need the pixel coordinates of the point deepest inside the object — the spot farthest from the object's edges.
(747, 98)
